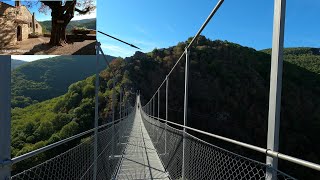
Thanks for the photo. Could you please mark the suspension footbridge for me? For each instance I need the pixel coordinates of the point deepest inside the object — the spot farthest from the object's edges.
(141, 145)
(140, 159)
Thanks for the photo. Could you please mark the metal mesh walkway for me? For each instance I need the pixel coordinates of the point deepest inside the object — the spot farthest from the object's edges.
(140, 159)
(144, 147)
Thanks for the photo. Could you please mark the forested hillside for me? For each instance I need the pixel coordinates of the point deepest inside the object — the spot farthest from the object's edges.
(229, 93)
(304, 57)
(85, 23)
(50, 121)
(16, 63)
(48, 78)
(228, 96)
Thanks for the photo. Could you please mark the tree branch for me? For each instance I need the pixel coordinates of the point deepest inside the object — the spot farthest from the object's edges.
(84, 11)
(68, 4)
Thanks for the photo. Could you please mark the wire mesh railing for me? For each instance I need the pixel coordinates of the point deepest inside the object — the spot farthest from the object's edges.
(77, 162)
(259, 170)
(72, 164)
(202, 160)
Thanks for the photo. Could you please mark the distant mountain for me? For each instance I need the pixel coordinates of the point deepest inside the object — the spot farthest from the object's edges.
(86, 23)
(305, 57)
(297, 51)
(16, 63)
(48, 78)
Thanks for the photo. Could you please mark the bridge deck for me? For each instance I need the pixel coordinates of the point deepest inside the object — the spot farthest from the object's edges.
(140, 159)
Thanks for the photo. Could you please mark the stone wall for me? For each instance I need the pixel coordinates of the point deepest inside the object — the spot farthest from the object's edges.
(10, 20)
(7, 32)
(7, 26)
(39, 29)
(25, 31)
(26, 15)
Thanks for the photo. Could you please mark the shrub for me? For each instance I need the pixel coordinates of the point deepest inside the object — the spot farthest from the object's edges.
(34, 35)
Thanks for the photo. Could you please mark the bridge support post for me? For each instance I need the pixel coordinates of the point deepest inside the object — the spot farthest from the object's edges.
(158, 122)
(185, 115)
(5, 117)
(159, 104)
(153, 106)
(121, 120)
(165, 133)
(149, 108)
(127, 110)
(153, 113)
(113, 116)
(275, 86)
(96, 116)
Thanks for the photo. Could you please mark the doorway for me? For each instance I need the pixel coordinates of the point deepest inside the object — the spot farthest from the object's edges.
(19, 33)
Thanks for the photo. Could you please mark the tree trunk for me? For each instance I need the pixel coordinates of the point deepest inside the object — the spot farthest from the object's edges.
(58, 32)
(61, 16)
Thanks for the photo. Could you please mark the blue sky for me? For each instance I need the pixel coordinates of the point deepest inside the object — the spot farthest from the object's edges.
(153, 24)
(47, 16)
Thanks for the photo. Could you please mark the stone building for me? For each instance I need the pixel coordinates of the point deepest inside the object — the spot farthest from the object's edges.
(17, 23)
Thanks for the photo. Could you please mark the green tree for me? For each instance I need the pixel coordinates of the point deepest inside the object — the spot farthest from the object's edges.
(69, 130)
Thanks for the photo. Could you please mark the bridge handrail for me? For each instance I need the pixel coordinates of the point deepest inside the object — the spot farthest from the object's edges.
(268, 152)
(50, 146)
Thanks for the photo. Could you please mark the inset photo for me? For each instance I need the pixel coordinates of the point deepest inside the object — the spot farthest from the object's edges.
(47, 27)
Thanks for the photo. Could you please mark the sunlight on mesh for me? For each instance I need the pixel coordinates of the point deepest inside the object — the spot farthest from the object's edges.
(203, 160)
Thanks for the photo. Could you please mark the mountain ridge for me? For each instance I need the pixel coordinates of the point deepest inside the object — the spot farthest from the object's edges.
(15, 63)
(48, 78)
(86, 23)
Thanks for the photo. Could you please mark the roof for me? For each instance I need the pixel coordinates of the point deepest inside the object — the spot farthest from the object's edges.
(1, 2)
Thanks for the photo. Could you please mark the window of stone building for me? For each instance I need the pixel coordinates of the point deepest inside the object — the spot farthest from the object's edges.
(30, 24)
(37, 26)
